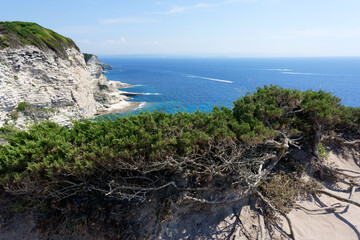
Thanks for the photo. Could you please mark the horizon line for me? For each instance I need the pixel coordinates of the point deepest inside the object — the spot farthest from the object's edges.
(209, 56)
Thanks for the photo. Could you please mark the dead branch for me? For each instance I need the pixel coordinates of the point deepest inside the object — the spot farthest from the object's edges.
(342, 141)
(352, 142)
(226, 201)
(144, 189)
(339, 198)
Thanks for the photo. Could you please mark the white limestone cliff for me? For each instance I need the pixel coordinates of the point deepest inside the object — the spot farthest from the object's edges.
(106, 93)
(55, 87)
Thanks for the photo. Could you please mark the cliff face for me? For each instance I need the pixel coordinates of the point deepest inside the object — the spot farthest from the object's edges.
(50, 77)
(44, 80)
(106, 92)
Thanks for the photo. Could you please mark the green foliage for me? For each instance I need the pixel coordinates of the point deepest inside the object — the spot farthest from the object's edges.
(320, 111)
(87, 56)
(102, 86)
(99, 149)
(322, 151)
(47, 149)
(14, 116)
(26, 33)
(320, 106)
(16, 77)
(43, 150)
(349, 118)
(27, 108)
(19, 207)
(22, 106)
(266, 110)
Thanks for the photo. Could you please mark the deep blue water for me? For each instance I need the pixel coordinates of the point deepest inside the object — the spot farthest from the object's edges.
(191, 84)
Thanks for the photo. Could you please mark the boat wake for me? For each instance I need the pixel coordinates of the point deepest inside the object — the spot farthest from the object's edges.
(151, 94)
(320, 74)
(211, 79)
(278, 69)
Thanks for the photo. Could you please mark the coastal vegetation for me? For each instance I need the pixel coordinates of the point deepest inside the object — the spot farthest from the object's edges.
(106, 166)
(15, 34)
(87, 56)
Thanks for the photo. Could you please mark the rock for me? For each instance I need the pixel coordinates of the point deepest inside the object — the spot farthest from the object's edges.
(63, 85)
(105, 66)
(105, 92)
(44, 80)
(92, 59)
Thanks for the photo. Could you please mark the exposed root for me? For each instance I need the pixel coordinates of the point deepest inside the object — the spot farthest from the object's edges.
(352, 192)
(341, 172)
(282, 232)
(347, 170)
(290, 225)
(332, 208)
(340, 198)
(292, 233)
(262, 225)
(243, 230)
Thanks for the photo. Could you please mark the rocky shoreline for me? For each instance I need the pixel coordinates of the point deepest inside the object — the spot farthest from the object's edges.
(107, 93)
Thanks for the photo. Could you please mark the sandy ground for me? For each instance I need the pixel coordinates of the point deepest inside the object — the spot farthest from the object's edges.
(241, 221)
(329, 225)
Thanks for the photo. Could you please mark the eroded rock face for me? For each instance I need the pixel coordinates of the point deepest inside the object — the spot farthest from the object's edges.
(105, 93)
(57, 88)
(44, 80)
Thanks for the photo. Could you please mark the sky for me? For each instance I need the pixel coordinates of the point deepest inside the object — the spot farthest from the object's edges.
(231, 28)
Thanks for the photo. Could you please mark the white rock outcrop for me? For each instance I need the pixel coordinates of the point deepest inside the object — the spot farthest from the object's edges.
(105, 93)
(57, 88)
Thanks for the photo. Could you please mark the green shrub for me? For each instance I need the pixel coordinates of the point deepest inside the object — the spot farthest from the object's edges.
(266, 110)
(22, 106)
(348, 119)
(87, 56)
(322, 151)
(177, 144)
(47, 149)
(26, 33)
(102, 86)
(14, 116)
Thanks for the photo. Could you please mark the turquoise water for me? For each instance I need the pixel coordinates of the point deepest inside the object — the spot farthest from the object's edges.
(190, 84)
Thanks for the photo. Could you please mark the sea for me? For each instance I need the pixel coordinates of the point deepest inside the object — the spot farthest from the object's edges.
(190, 84)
